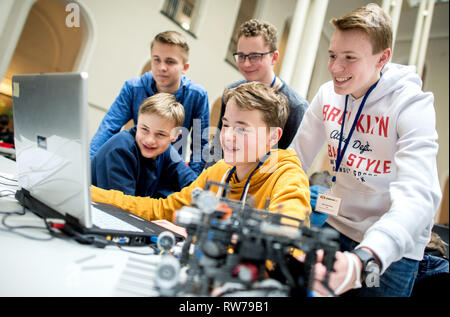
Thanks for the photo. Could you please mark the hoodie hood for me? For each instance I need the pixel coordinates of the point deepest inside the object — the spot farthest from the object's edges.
(396, 77)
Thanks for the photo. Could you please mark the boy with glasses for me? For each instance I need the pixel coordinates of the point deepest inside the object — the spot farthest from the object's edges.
(256, 56)
(169, 63)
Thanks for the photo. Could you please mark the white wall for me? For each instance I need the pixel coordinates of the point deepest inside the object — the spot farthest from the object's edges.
(124, 33)
(124, 30)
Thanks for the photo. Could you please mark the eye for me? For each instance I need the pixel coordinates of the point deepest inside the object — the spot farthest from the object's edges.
(241, 57)
(332, 56)
(240, 130)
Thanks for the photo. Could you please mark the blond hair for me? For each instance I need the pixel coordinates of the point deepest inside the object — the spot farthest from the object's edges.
(164, 105)
(372, 20)
(173, 38)
(254, 27)
(272, 104)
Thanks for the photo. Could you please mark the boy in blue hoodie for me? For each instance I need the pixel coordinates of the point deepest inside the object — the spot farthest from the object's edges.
(169, 63)
(137, 161)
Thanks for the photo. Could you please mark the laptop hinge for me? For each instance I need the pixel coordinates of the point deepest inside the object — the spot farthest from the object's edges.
(72, 226)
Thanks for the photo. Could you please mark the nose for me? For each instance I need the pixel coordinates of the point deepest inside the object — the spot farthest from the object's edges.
(335, 66)
(149, 140)
(246, 62)
(163, 67)
(228, 135)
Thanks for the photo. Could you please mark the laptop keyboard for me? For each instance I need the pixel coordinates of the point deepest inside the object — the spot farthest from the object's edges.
(104, 220)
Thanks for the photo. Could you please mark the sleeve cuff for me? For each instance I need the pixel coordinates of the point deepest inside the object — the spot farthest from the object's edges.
(383, 246)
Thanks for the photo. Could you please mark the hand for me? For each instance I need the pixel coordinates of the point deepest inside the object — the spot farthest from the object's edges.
(338, 276)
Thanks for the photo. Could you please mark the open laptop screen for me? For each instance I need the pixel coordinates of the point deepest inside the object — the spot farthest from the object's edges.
(51, 140)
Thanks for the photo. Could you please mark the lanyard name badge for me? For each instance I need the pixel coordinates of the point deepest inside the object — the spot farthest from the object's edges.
(326, 202)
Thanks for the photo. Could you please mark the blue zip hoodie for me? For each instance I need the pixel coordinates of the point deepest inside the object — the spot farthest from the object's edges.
(119, 165)
(194, 99)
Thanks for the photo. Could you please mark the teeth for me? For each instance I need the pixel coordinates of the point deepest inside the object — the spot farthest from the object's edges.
(341, 79)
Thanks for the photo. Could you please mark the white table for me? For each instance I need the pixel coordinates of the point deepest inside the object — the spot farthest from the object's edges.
(64, 267)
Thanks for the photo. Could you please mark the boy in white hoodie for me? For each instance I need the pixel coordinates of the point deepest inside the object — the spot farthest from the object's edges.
(385, 188)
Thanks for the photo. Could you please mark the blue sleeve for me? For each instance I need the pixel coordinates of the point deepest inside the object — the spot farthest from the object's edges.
(176, 170)
(118, 114)
(317, 218)
(115, 168)
(200, 120)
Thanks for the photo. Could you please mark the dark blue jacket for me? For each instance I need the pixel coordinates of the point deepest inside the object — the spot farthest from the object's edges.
(119, 165)
(194, 99)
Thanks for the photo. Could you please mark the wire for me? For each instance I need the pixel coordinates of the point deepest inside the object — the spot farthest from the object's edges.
(9, 179)
(13, 228)
(6, 184)
(135, 252)
(86, 238)
(12, 193)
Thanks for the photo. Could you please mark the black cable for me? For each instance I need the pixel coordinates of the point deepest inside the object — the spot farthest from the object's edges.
(88, 238)
(135, 252)
(13, 228)
(9, 179)
(6, 184)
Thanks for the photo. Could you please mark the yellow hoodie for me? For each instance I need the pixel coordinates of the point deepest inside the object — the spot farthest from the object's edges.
(280, 178)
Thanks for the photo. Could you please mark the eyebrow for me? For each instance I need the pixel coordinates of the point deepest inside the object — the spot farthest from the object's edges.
(345, 52)
(160, 131)
(167, 58)
(237, 122)
(248, 53)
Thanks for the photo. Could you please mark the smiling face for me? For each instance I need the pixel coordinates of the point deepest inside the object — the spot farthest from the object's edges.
(168, 65)
(154, 134)
(245, 137)
(262, 70)
(352, 64)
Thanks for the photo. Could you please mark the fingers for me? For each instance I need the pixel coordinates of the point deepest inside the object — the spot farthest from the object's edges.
(319, 254)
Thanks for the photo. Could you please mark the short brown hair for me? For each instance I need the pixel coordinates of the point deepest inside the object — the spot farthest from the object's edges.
(173, 38)
(373, 21)
(272, 104)
(254, 27)
(164, 105)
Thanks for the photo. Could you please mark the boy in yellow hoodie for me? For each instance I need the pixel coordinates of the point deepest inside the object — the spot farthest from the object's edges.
(252, 126)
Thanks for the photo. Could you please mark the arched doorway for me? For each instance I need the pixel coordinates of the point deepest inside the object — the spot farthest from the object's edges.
(47, 44)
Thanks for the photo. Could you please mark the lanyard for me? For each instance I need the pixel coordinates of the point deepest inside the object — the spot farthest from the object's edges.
(273, 82)
(340, 155)
(247, 183)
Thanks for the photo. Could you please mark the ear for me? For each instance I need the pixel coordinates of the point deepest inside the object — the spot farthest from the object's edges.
(275, 57)
(275, 136)
(384, 58)
(185, 67)
(175, 135)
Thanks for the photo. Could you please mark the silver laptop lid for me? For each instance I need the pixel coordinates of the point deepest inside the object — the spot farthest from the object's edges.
(51, 140)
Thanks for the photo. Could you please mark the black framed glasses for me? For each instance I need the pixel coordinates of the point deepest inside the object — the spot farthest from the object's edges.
(252, 57)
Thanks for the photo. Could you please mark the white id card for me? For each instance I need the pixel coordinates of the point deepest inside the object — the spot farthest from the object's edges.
(328, 204)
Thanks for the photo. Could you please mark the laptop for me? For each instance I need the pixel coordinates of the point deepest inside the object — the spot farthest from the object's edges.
(53, 167)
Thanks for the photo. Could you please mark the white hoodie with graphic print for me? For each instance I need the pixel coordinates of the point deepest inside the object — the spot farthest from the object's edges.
(388, 178)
